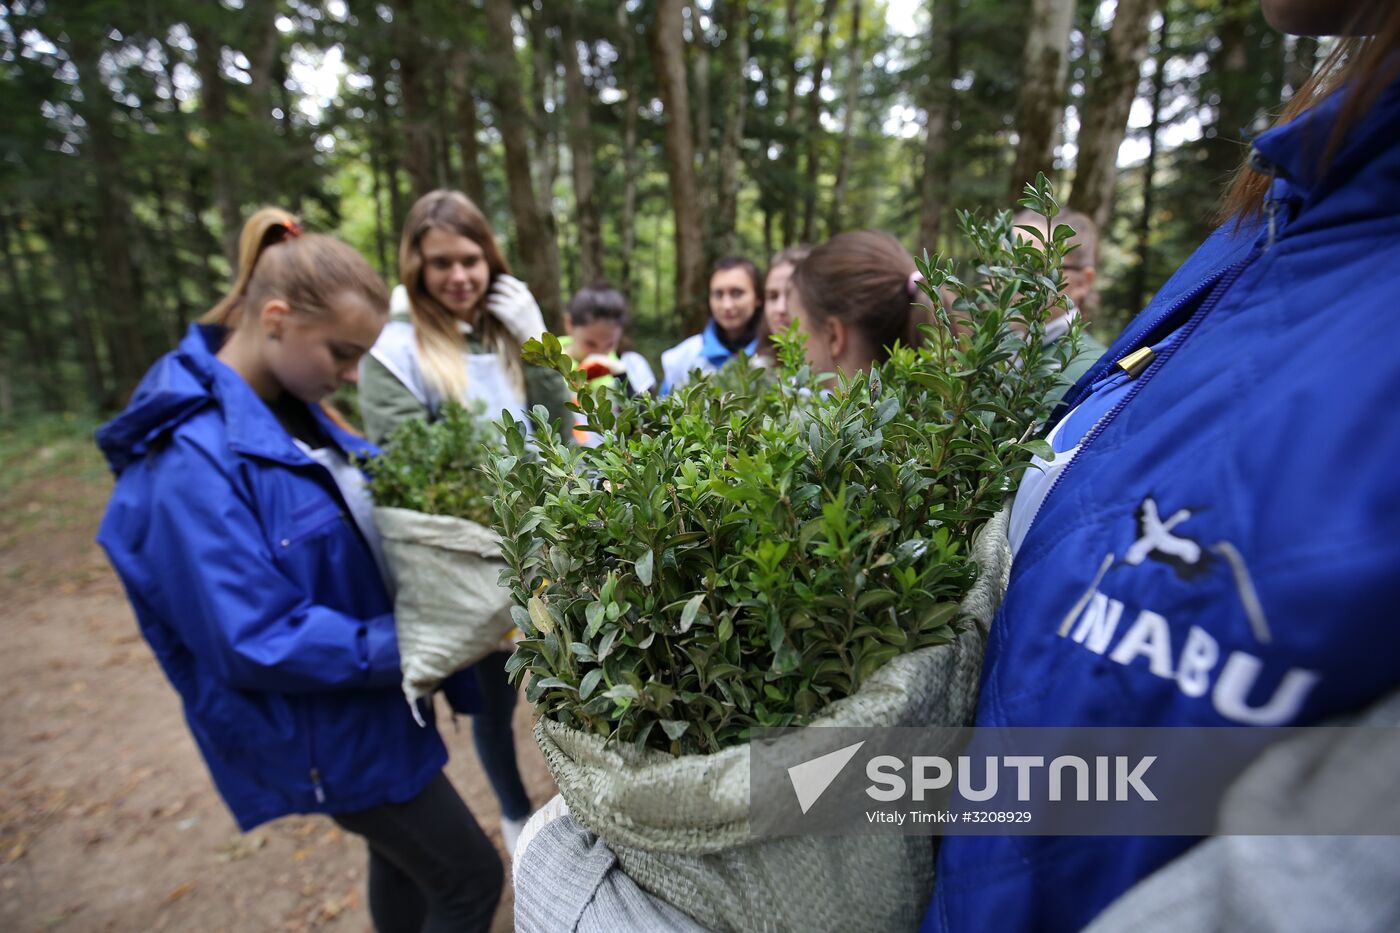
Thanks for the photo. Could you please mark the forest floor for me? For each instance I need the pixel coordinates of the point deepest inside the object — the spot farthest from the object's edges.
(108, 819)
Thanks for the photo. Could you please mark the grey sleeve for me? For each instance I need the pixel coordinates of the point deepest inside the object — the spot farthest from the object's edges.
(568, 880)
(385, 402)
(1285, 882)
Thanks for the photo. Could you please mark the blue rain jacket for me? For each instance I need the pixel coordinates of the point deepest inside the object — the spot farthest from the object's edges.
(1225, 547)
(259, 596)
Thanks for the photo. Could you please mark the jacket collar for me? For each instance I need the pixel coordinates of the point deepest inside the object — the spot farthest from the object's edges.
(251, 426)
(712, 345)
(1295, 149)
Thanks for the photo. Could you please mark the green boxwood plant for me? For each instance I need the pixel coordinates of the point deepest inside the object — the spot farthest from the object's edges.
(752, 547)
(437, 468)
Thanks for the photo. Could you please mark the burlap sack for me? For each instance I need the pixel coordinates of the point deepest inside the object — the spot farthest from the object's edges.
(450, 609)
(679, 826)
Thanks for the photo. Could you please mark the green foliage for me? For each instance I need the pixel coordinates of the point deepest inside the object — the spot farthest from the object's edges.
(752, 547)
(437, 468)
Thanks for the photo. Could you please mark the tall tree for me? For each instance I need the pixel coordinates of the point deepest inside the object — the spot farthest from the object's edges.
(1041, 103)
(735, 56)
(538, 251)
(264, 52)
(79, 301)
(813, 129)
(415, 60)
(1105, 118)
(213, 92)
(848, 121)
(699, 49)
(578, 101)
(1236, 105)
(1138, 290)
(632, 104)
(200, 240)
(20, 304)
(938, 103)
(466, 125)
(668, 41)
(541, 83)
(114, 219)
(791, 131)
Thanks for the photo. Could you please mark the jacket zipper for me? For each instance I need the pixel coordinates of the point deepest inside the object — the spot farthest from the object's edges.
(1259, 163)
(1221, 281)
(1068, 403)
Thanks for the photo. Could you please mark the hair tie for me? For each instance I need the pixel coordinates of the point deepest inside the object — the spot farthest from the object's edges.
(292, 230)
(915, 278)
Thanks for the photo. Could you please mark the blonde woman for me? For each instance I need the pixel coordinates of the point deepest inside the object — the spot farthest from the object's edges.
(459, 320)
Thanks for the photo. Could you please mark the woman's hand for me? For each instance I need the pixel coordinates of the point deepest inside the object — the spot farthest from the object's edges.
(511, 303)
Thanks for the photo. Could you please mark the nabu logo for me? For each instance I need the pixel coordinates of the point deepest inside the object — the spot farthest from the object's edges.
(1096, 619)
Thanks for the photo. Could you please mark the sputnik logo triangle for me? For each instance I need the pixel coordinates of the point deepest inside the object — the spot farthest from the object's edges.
(811, 778)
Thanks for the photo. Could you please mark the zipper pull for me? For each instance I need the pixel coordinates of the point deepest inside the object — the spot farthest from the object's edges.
(1261, 164)
(316, 785)
(1134, 363)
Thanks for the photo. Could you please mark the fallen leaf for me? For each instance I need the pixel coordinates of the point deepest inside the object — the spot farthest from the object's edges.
(179, 892)
(16, 852)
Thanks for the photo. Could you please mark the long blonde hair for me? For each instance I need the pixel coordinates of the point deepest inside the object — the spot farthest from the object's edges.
(1361, 67)
(440, 345)
(276, 260)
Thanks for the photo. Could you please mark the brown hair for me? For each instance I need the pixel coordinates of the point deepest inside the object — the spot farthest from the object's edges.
(440, 345)
(1360, 66)
(792, 256)
(598, 302)
(276, 260)
(863, 278)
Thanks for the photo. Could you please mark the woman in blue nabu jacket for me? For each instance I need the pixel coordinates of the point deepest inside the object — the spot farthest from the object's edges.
(243, 535)
(1217, 540)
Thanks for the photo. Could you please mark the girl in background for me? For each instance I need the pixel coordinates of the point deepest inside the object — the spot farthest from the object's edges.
(243, 536)
(459, 322)
(776, 314)
(596, 326)
(736, 311)
(854, 297)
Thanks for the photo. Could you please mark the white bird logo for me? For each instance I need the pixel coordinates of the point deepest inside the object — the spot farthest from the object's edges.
(1156, 536)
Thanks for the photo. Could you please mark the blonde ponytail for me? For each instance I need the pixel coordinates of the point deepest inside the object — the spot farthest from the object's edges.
(269, 225)
(275, 260)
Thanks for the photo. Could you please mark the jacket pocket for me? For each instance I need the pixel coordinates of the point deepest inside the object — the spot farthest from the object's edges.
(308, 524)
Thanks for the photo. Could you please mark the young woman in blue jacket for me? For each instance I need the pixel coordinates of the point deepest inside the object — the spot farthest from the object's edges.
(242, 533)
(736, 312)
(1216, 542)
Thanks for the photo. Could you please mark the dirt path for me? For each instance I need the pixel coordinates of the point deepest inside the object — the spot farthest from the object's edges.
(108, 820)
